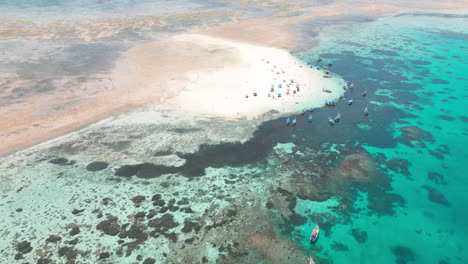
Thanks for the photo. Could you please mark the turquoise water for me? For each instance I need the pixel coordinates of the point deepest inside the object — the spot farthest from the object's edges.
(154, 186)
(414, 68)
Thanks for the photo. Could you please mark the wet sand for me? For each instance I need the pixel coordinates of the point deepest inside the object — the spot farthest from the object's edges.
(148, 73)
(33, 120)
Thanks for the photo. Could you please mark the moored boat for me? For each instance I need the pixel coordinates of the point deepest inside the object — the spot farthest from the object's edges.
(338, 117)
(315, 233)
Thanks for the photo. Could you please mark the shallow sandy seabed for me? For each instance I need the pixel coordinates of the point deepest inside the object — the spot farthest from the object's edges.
(53, 190)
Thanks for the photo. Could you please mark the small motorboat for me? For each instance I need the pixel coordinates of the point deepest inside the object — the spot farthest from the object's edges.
(294, 122)
(350, 101)
(315, 233)
(364, 93)
(333, 103)
(345, 86)
(341, 96)
(303, 111)
(326, 90)
(310, 118)
(366, 111)
(288, 121)
(331, 121)
(351, 86)
(327, 103)
(338, 117)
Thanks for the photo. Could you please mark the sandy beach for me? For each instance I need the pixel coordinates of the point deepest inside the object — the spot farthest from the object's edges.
(249, 80)
(189, 72)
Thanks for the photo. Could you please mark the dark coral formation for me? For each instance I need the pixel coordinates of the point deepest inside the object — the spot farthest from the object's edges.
(163, 224)
(357, 167)
(399, 166)
(62, 162)
(97, 166)
(436, 196)
(339, 246)
(436, 177)
(24, 247)
(414, 136)
(403, 254)
(110, 226)
(138, 200)
(359, 235)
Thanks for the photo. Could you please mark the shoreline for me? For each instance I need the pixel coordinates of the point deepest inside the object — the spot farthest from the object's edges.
(182, 72)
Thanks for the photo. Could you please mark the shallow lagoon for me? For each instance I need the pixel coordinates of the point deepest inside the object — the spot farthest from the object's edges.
(387, 188)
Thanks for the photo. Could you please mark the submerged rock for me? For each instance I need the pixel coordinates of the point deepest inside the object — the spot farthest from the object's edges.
(53, 239)
(414, 136)
(163, 224)
(137, 200)
(97, 166)
(275, 250)
(190, 226)
(339, 246)
(149, 261)
(436, 196)
(62, 161)
(403, 254)
(75, 231)
(359, 236)
(357, 167)
(24, 247)
(436, 177)
(399, 166)
(110, 226)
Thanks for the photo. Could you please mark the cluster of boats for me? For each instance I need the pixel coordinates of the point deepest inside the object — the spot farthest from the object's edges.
(337, 118)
